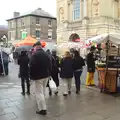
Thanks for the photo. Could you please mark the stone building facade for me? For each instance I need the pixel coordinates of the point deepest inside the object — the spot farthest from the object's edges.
(38, 24)
(86, 18)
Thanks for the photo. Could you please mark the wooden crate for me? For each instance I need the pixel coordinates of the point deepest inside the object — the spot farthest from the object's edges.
(111, 81)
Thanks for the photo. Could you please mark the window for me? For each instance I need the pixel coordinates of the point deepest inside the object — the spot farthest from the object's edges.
(37, 33)
(22, 22)
(37, 21)
(49, 23)
(76, 9)
(23, 34)
(12, 24)
(12, 35)
(49, 34)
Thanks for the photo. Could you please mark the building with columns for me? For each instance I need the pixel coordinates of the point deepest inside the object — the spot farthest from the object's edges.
(86, 18)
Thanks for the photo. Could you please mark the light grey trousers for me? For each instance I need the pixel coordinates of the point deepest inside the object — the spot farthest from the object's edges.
(40, 88)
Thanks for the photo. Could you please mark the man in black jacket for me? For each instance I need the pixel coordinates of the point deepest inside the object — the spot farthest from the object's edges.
(23, 62)
(40, 69)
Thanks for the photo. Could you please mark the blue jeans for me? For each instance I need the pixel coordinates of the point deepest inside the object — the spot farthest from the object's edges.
(77, 75)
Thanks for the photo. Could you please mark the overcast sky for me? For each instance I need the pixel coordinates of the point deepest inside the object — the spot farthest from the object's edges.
(7, 7)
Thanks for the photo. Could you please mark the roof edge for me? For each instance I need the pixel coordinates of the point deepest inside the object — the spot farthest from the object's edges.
(31, 15)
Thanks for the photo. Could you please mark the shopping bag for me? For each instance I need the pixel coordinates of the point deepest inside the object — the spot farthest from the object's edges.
(90, 79)
(52, 85)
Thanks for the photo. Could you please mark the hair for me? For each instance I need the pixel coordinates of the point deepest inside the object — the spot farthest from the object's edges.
(76, 53)
(67, 54)
(54, 52)
(23, 53)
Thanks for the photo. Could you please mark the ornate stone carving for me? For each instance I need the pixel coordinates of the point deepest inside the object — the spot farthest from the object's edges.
(61, 10)
(95, 7)
(61, 13)
(95, 2)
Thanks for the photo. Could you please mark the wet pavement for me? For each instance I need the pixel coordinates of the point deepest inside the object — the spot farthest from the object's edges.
(89, 105)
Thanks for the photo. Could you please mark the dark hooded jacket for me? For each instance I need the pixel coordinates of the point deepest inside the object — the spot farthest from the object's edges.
(23, 61)
(40, 65)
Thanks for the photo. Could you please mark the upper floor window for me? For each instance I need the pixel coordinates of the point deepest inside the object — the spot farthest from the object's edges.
(22, 22)
(11, 24)
(76, 9)
(37, 21)
(49, 23)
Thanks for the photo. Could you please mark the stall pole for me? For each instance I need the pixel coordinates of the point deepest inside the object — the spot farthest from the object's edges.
(2, 61)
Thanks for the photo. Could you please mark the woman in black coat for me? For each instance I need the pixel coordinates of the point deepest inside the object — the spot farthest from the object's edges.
(78, 63)
(23, 62)
(67, 72)
(55, 71)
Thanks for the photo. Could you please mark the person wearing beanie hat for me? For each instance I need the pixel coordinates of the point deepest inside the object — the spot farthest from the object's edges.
(90, 67)
(40, 70)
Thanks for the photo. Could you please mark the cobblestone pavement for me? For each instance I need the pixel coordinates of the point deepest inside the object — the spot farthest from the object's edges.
(89, 105)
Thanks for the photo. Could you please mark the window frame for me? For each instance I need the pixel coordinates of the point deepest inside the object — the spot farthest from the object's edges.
(22, 22)
(50, 23)
(37, 21)
(37, 34)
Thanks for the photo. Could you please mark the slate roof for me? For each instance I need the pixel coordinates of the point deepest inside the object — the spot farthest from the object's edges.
(37, 12)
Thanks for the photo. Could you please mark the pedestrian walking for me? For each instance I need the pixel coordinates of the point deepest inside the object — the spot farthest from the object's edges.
(66, 72)
(55, 69)
(23, 62)
(78, 63)
(40, 69)
(50, 56)
(91, 66)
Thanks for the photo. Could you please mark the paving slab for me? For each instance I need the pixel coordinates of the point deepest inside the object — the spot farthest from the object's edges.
(10, 116)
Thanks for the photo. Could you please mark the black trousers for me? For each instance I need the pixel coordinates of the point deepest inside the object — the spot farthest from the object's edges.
(77, 76)
(23, 80)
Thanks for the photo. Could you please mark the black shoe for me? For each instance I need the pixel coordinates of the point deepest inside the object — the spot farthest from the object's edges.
(69, 92)
(65, 95)
(23, 93)
(28, 93)
(56, 93)
(42, 112)
(77, 92)
(50, 93)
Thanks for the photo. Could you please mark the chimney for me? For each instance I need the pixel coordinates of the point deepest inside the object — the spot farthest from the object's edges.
(16, 14)
(39, 8)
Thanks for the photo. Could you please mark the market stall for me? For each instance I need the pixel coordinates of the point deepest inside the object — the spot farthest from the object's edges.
(109, 66)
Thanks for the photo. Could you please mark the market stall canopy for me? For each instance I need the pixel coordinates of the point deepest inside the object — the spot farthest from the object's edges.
(29, 41)
(63, 47)
(113, 37)
(70, 45)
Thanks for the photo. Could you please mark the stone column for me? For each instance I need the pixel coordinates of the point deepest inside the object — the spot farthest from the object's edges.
(85, 8)
(66, 10)
(81, 9)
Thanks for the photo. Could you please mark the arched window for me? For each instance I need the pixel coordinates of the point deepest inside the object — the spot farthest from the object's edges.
(76, 9)
(74, 38)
